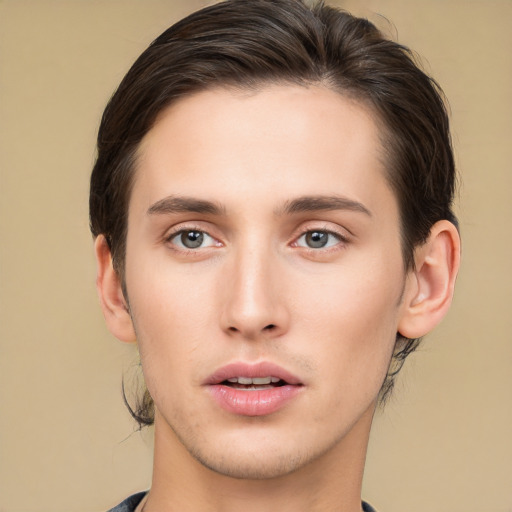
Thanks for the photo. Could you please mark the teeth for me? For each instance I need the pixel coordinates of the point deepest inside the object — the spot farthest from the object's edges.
(255, 380)
(262, 380)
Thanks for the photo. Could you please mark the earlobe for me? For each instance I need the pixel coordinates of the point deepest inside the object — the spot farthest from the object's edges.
(430, 285)
(112, 300)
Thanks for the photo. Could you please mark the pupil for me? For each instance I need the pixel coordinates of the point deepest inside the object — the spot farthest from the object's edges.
(192, 239)
(316, 239)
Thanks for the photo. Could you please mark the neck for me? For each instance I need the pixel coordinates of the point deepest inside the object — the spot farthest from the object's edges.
(331, 482)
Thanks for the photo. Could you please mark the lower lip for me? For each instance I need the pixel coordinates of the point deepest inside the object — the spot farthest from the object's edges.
(253, 402)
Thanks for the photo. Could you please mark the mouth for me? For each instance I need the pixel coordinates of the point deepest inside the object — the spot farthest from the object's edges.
(247, 375)
(253, 389)
(254, 383)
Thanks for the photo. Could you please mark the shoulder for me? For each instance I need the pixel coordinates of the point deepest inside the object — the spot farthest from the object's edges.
(367, 507)
(129, 504)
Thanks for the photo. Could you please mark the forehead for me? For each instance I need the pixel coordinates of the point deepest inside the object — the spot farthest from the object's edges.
(266, 145)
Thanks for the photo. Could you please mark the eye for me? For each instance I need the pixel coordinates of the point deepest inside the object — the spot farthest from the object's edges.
(192, 239)
(318, 239)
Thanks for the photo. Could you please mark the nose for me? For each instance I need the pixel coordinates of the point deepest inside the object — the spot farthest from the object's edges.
(254, 303)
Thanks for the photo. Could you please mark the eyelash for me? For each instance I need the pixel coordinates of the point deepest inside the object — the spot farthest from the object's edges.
(180, 232)
(340, 239)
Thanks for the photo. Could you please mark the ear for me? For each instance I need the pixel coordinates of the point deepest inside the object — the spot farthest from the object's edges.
(113, 303)
(429, 289)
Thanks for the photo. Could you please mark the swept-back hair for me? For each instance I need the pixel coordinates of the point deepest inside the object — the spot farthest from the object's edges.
(248, 45)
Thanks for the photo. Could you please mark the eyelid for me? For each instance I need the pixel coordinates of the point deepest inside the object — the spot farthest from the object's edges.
(340, 232)
(336, 236)
(342, 235)
(183, 227)
(177, 236)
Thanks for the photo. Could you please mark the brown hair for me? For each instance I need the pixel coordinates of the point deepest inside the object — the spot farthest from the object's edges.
(249, 44)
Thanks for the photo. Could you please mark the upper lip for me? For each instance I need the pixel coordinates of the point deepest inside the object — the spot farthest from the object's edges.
(241, 369)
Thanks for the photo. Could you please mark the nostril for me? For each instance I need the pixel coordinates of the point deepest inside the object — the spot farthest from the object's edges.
(232, 329)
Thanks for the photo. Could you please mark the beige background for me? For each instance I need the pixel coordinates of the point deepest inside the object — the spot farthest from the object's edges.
(66, 442)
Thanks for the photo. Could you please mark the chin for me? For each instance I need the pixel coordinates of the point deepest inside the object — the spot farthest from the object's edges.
(251, 467)
(269, 456)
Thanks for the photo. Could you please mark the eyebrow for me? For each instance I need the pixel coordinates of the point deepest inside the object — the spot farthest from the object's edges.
(322, 203)
(183, 204)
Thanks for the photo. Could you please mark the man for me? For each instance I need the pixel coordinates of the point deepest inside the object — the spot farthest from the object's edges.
(272, 210)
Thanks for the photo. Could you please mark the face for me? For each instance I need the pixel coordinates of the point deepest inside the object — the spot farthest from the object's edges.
(264, 275)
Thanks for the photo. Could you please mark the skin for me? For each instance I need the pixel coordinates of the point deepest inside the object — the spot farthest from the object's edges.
(256, 290)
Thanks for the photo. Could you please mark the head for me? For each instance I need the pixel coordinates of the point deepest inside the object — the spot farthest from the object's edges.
(249, 47)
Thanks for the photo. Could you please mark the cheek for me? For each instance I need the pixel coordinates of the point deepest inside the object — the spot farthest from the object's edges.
(353, 320)
(166, 297)
(171, 317)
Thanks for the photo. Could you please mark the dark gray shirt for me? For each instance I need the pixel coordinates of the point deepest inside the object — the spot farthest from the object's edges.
(130, 504)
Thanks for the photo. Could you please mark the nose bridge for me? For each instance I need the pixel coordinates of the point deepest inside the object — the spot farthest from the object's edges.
(254, 302)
